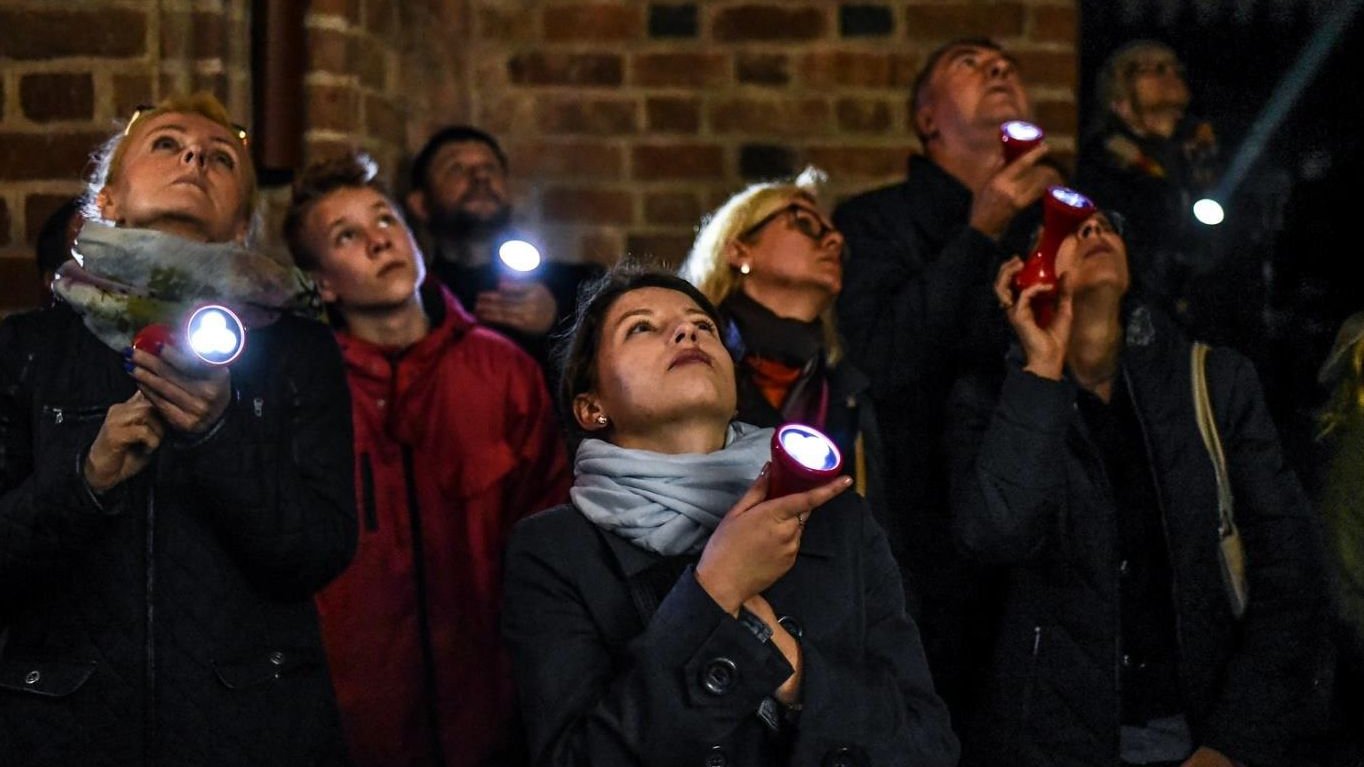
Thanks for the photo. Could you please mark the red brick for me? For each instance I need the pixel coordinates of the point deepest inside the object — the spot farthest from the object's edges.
(677, 161)
(385, 120)
(209, 37)
(381, 18)
(664, 251)
(18, 283)
(844, 163)
(944, 22)
(577, 159)
(770, 117)
(680, 70)
(509, 113)
(596, 117)
(57, 96)
(329, 51)
(593, 22)
(45, 156)
(669, 115)
(323, 149)
(538, 68)
(903, 68)
(601, 247)
(333, 107)
(1056, 117)
(672, 208)
(863, 115)
(130, 92)
(845, 68)
(370, 62)
(507, 24)
(769, 22)
(213, 82)
(1048, 68)
(763, 68)
(5, 236)
(348, 9)
(174, 29)
(587, 205)
(1055, 23)
(107, 32)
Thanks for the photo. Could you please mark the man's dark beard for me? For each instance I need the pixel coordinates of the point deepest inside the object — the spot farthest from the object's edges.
(459, 226)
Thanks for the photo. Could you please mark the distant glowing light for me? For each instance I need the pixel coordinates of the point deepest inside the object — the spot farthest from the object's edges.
(1209, 211)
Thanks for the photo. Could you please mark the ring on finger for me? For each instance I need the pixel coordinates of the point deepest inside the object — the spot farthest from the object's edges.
(802, 517)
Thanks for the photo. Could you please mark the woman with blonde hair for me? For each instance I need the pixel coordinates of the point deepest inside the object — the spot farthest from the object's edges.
(164, 523)
(773, 264)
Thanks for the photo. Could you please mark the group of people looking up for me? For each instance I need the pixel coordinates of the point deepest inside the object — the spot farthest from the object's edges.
(436, 515)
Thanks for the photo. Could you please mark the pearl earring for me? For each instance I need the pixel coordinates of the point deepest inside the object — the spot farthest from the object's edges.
(601, 419)
(745, 269)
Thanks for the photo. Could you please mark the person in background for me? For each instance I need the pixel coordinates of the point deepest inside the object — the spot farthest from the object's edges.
(455, 440)
(55, 240)
(915, 312)
(773, 265)
(460, 195)
(1084, 474)
(673, 613)
(164, 524)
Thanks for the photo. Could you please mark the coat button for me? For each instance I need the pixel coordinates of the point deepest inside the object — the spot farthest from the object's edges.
(841, 757)
(718, 676)
(1123, 567)
(277, 658)
(32, 677)
(717, 757)
(792, 626)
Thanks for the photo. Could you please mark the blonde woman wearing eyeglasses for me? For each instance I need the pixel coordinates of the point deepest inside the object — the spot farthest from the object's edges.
(773, 264)
(165, 523)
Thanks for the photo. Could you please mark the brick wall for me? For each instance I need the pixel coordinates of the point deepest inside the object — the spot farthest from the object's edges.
(625, 121)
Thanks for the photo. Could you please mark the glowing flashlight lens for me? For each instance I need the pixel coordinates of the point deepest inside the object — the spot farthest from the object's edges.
(1070, 197)
(519, 255)
(1208, 211)
(1019, 130)
(215, 335)
(812, 449)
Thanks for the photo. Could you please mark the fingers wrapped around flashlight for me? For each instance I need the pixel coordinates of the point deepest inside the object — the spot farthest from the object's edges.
(189, 395)
(131, 432)
(756, 542)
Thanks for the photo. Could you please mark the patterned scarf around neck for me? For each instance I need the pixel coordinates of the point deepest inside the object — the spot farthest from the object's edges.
(667, 504)
(125, 279)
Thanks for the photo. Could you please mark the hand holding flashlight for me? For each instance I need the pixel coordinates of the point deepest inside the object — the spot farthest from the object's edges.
(1062, 213)
(184, 374)
(520, 304)
(1044, 346)
(756, 542)
(130, 434)
(1011, 188)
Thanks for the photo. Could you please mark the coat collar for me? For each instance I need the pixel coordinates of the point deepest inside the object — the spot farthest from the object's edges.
(449, 323)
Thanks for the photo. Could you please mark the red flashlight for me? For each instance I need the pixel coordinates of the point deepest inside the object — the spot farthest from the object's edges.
(213, 333)
(1018, 136)
(1063, 210)
(803, 458)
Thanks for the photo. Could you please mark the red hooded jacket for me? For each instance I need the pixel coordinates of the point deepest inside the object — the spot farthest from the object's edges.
(455, 440)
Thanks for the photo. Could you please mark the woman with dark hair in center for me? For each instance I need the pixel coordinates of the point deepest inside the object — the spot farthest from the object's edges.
(672, 613)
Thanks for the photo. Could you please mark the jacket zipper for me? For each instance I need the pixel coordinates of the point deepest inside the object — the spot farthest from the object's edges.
(423, 615)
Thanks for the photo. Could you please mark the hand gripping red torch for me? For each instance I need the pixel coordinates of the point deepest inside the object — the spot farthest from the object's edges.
(213, 333)
(803, 458)
(1063, 210)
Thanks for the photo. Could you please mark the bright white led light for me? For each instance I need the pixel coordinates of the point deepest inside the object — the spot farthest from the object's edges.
(215, 335)
(1208, 211)
(519, 255)
(1070, 197)
(810, 448)
(1020, 130)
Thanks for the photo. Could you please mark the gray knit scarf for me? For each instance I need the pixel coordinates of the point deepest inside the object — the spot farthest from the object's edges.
(667, 504)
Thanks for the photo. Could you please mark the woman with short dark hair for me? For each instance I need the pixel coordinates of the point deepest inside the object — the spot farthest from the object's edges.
(673, 613)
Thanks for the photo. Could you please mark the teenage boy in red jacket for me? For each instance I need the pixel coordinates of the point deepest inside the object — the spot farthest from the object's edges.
(455, 440)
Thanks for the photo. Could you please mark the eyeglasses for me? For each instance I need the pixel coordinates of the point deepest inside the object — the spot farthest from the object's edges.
(806, 221)
(142, 109)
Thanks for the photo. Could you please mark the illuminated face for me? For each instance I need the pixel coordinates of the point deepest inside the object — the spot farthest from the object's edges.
(794, 247)
(180, 172)
(466, 178)
(366, 257)
(1095, 256)
(660, 361)
(972, 88)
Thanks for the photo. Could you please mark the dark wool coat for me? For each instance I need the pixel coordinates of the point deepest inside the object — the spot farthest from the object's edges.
(1030, 493)
(602, 686)
(170, 622)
